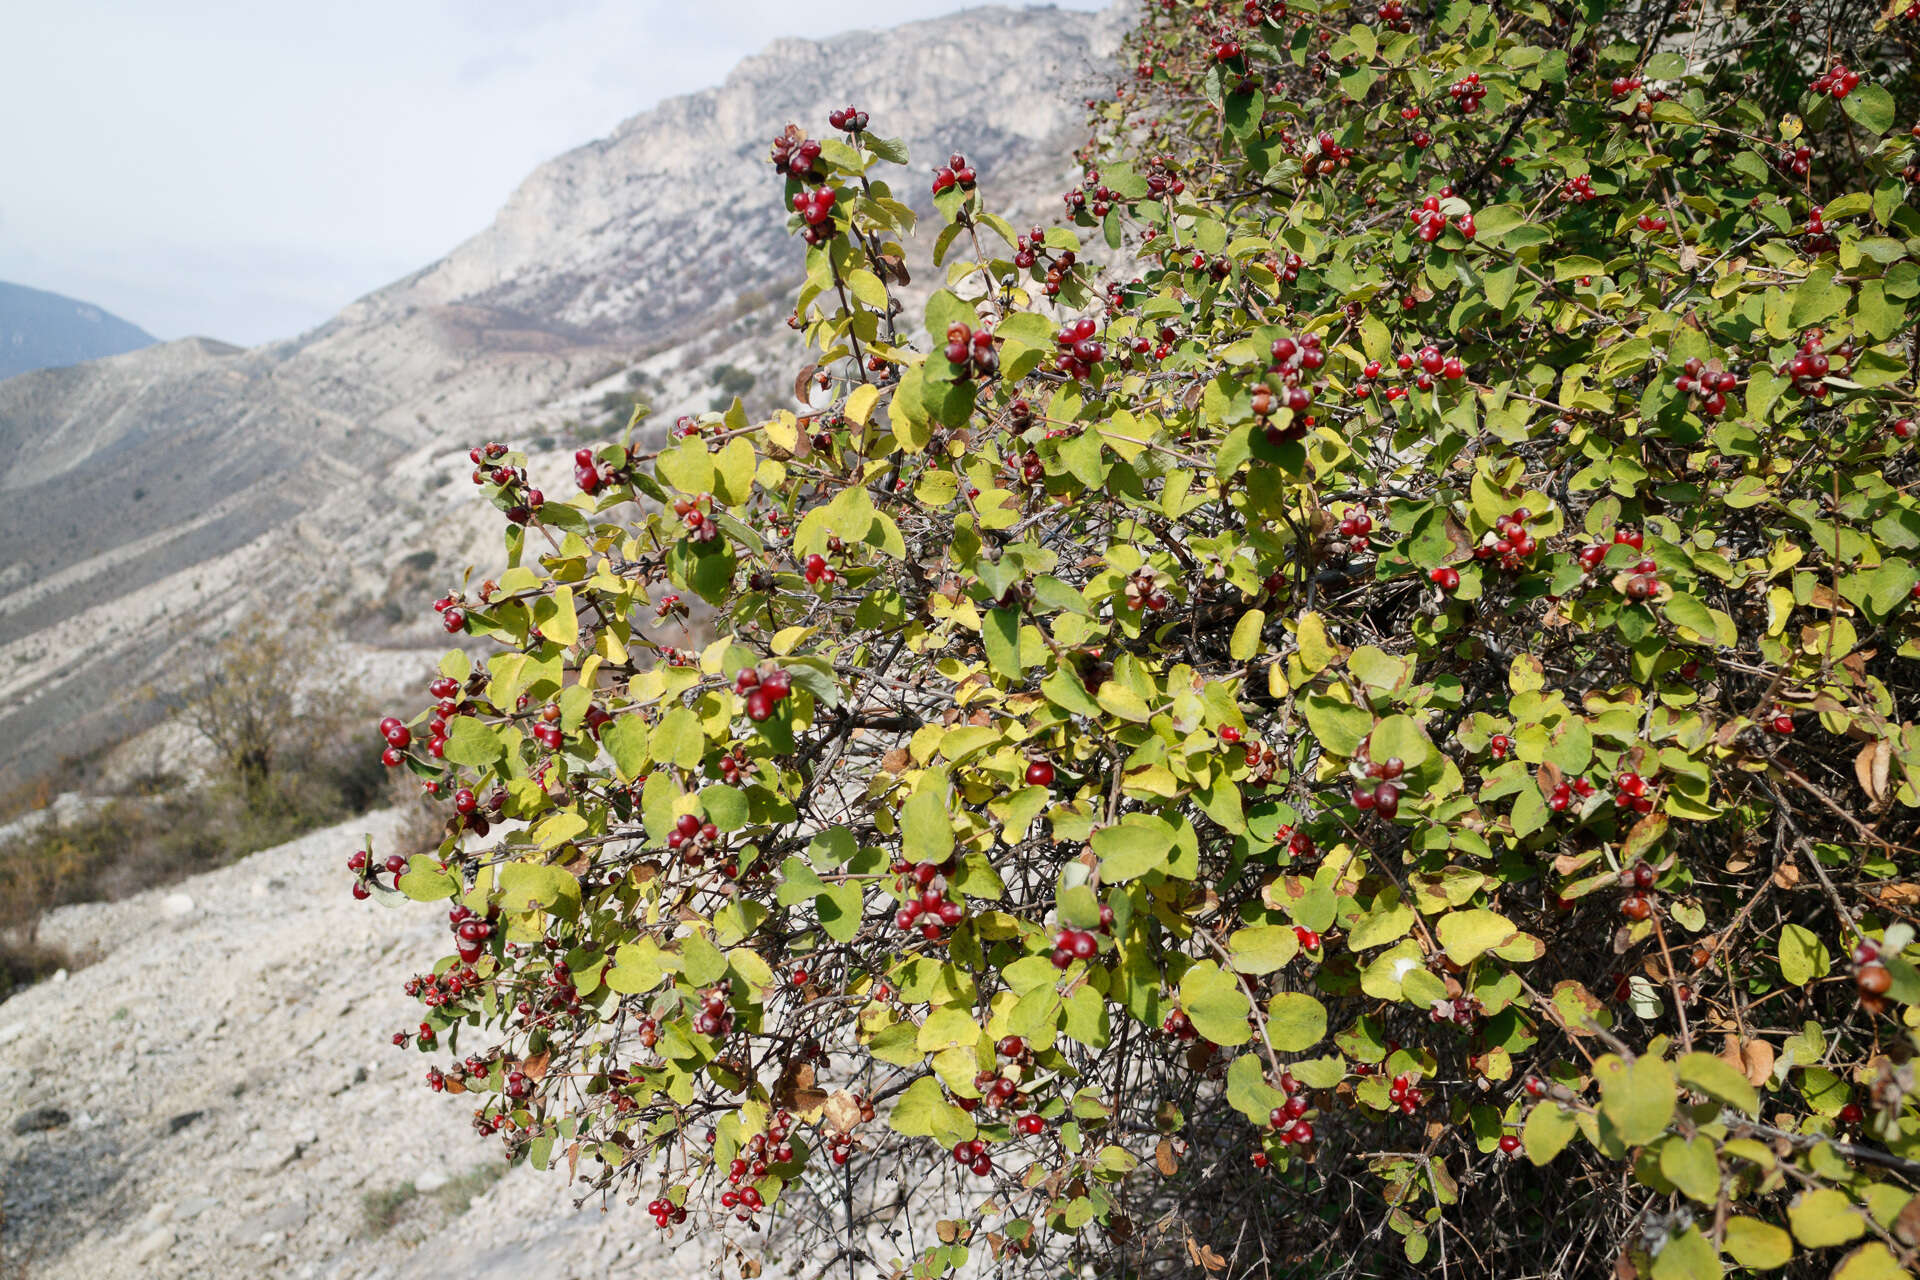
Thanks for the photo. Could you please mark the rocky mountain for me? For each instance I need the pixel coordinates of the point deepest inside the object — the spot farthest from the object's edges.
(148, 500)
(41, 330)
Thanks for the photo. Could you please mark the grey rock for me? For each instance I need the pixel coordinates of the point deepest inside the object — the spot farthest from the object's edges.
(40, 1119)
(152, 1245)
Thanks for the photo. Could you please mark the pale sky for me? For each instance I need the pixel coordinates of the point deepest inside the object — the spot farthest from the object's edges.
(243, 170)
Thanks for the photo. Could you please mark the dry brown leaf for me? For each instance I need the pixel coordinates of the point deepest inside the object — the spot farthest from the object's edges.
(1870, 769)
(1906, 1223)
(795, 1092)
(1164, 1158)
(947, 1229)
(896, 760)
(1753, 1059)
(843, 1111)
(536, 1066)
(1900, 895)
(1786, 876)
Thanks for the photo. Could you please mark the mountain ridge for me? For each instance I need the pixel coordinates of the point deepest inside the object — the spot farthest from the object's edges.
(40, 329)
(151, 499)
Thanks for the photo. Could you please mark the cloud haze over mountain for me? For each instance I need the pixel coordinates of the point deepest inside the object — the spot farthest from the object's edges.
(242, 171)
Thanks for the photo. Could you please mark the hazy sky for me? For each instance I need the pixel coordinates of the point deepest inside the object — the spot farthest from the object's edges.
(242, 170)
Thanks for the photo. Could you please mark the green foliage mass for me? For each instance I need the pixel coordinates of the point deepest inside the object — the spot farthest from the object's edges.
(1393, 739)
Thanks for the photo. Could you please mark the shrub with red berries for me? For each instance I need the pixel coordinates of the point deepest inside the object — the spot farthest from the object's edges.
(1385, 725)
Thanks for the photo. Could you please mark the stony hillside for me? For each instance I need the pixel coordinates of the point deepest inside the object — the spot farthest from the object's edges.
(41, 330)
(150, 499)
(213, 1097)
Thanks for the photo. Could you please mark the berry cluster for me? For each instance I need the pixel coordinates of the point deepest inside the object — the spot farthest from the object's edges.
(795, 155)
(955, 173)
(1376, 784)
(521, 500)
(1079, 944)
(1579, 190)
(692, 839)
(716, 1014)
(367, 877)
(1393, 15)
(816, 570)
(1624, 85)
(815, 207)
(848, 119)
(973, 1156)
(763, 692)
(1809, 367)
(547, 729)
(1467, 93)
(1356, 526)
(697, 514)
(971, 351)
(1446, 577)
(1079, 351)
(1708, 383)
(453, 618)
(927, 908)
(1560, 799)
(1592, 555)
(1299, 844)
(591, 475)
(470, 931)
(1225, 49)
(1288, 1120)
(1508, 540)
(1648, 222)
(1178, 1025)
(1837, 83)
(1461, 1010)
(1405, 1094)
(666, 1213)
(1432, 364)
(1630, 792)
(1328, 158)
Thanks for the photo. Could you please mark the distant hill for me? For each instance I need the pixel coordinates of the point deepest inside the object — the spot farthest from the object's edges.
(40, 330)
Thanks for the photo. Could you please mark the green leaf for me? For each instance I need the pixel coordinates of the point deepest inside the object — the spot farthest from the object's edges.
(1719, 1080)
(639, 966)
(1000, 631)
(1871, 107)
(1636, 1097)
(1295, 1021)
(1803, 957)
(1248, 1091)
(1338, 725)
(1871, 1261)
(1215, 1003)
(925, 829)
(678, 739)
(840, 909)
(1130, 848)
(1824, 1217)
(1263, 948)
(1687, 1256)
(1690, 1164)
(471, 743)
(1547, 1132)
(924, 1112)
(1467, 935)
(1246, 635)
(1757, 1245)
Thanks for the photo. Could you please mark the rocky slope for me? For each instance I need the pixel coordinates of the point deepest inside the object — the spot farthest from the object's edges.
(41, 330)
(213, 1096)
(149, 500)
